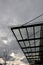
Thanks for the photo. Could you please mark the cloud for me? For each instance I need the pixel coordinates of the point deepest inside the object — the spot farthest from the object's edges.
(19, 11)
(16, 12)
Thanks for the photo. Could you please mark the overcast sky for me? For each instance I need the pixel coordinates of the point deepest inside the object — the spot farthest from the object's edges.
(14, 12)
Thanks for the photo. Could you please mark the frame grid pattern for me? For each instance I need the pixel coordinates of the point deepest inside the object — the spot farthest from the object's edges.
(32, 50)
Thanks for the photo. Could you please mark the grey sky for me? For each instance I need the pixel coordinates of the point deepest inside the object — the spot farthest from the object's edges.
(14, 12)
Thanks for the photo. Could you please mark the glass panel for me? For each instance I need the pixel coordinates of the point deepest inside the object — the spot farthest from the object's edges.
(37, 54)
(24, 50)
(37, 32)
(29, 50)
(30, 54)
(33, 54)
(27, 43)
(33, 49)
(17, 34)
(32, 43)
(22, 44)
(26, 54)
(37, 42)
(37, 49)
(23, 31)
(30, 32)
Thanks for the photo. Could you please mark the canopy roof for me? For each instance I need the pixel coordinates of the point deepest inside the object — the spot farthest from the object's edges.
(28, 38)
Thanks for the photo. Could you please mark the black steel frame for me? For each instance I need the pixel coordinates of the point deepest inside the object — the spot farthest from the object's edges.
(31, 58)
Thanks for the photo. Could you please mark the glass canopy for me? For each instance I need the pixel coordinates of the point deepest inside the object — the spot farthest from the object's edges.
(30, 39)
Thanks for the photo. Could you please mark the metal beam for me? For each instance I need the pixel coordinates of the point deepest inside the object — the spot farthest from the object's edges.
(33, 52)
(30, 39)
(26, 26)
(32, 47)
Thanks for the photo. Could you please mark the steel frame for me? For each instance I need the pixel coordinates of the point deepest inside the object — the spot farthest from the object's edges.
(33, 57)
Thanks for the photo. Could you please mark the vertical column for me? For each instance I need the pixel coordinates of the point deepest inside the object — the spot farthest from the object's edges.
(41, 44)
